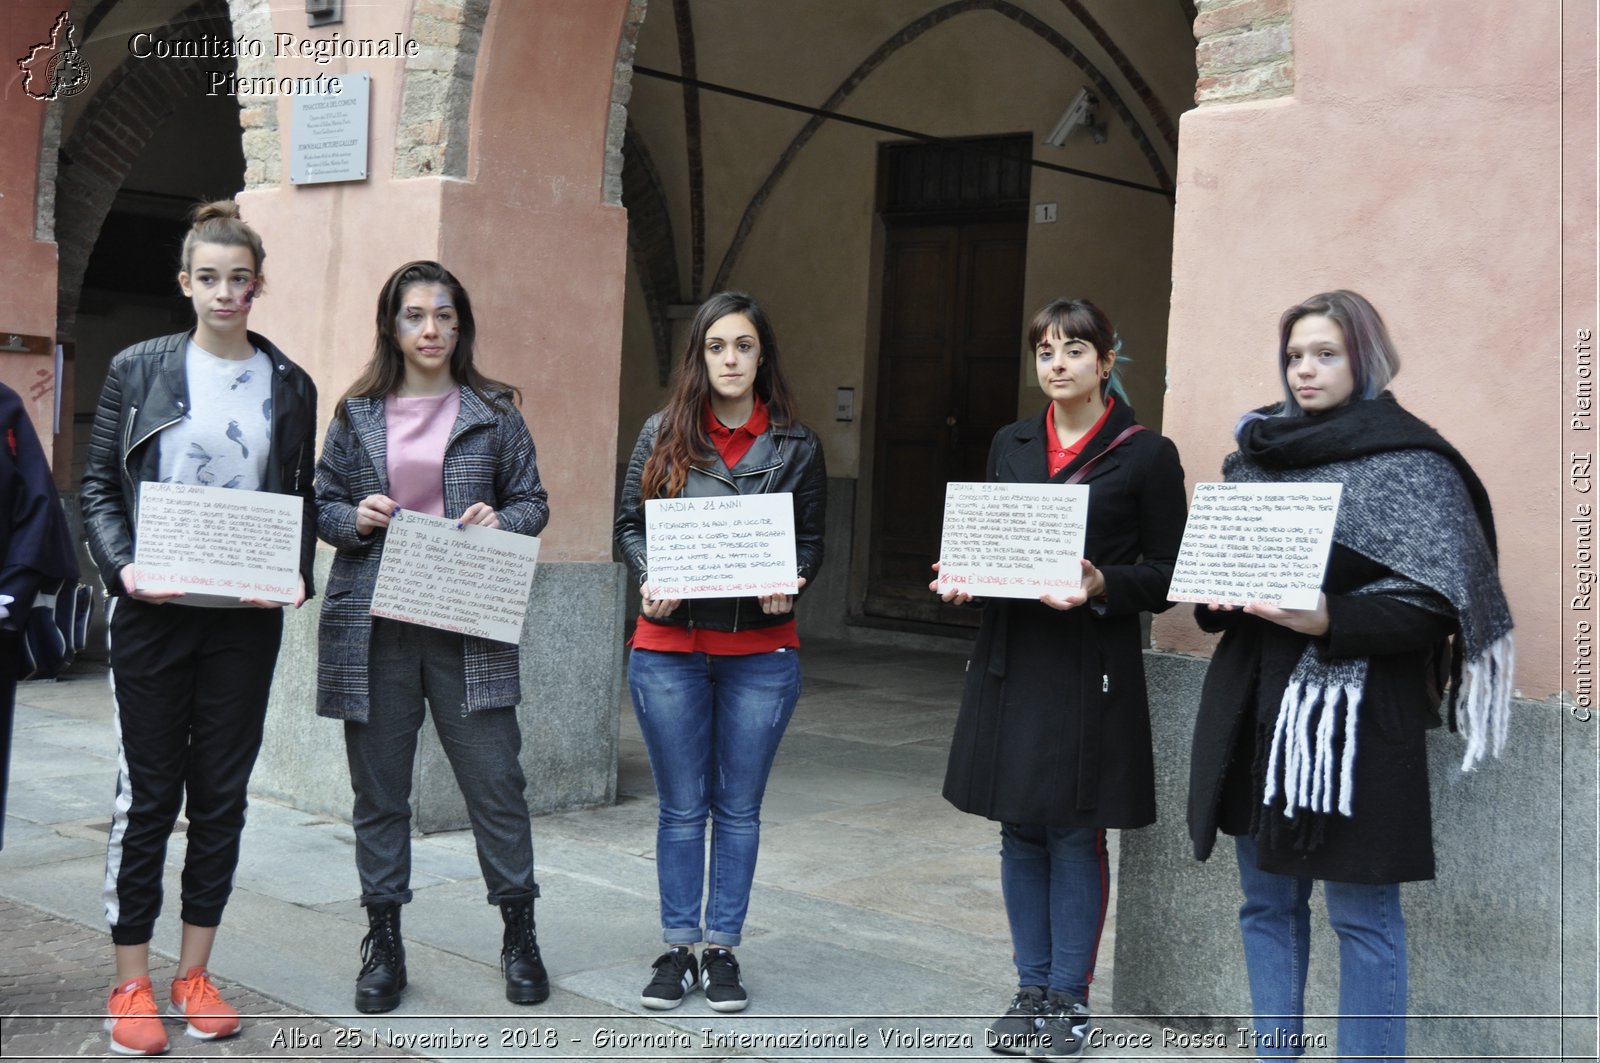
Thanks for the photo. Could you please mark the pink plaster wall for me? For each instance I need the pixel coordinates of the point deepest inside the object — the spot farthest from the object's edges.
(1418, 162)
(527, 233)
(27, 266)
(549, 258)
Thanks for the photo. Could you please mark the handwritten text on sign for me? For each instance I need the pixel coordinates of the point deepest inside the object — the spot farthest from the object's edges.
(1013, 540)
(216, 541)
(473, 580)
(1256, 543)
(728, 546)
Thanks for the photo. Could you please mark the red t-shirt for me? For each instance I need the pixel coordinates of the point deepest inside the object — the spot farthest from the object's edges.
(732, 444)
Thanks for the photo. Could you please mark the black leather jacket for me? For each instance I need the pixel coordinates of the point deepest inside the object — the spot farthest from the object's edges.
(146, 390)
(783, 458)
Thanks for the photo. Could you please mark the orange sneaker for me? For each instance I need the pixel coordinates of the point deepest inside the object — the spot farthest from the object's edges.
(195, 999)
(134, 1023)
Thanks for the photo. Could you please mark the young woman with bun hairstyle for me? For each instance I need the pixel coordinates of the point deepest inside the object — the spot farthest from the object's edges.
(422, 429)
(1309, 742)
(715, 680)
(217, 406)
(1052, 740)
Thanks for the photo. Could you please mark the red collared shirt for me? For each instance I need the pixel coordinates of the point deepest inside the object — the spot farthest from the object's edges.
(1059, 456)
(735, 443)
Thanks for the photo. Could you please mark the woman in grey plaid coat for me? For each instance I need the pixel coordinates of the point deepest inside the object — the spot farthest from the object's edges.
(423, 430)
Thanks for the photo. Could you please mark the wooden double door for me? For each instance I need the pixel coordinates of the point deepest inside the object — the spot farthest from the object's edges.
(948, 369)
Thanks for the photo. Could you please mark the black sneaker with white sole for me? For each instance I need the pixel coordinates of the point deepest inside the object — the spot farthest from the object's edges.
(1015, 1032)
(719, 977)
(1065, 1028)
(676, 974)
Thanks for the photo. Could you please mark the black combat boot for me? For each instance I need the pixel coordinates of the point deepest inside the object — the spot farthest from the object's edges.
(383, 961)
(526, 979)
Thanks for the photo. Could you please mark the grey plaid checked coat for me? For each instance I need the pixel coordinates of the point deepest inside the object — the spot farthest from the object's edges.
(489, 458)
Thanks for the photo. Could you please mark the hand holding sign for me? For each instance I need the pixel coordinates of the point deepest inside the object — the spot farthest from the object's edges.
(471, 579)
(1250, 544)
(216, 542)
(721, 546)
(1012, 541)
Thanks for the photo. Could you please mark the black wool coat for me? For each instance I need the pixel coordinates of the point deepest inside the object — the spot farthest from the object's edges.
(1054, 726)
(1389, 836)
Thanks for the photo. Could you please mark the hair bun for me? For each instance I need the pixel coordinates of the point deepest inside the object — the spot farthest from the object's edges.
(217, 208)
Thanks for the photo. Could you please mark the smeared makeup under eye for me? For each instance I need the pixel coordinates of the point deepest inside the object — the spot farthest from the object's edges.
(411, 322)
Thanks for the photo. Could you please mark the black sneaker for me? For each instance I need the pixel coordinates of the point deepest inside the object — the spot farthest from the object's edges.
(1017, 1030)
(1065, 1029)
(676, 972)
(719, 977)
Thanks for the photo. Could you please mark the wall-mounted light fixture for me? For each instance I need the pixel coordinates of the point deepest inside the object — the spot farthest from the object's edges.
(324, 12)
(1081, 112)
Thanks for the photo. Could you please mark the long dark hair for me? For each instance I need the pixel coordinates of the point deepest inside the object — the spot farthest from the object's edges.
(681, 439)
(386, 369)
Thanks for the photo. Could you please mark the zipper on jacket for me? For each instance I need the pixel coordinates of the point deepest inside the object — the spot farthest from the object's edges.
(127, 448)
(1105, 684)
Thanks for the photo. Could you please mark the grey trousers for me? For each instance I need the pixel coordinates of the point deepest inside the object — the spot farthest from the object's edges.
(408, 664)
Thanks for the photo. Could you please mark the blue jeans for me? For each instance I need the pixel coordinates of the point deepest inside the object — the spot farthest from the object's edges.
(1275, 922)
(711, 725)
(1055, 881)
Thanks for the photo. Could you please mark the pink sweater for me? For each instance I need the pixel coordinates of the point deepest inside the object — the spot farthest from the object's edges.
(417, 431)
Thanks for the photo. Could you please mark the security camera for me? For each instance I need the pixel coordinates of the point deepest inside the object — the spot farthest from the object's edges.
(1080, 112)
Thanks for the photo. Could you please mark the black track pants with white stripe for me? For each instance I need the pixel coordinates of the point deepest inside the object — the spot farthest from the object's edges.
(191, 690)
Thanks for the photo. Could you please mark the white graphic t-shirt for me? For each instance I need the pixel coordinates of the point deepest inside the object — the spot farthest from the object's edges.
(224, 436)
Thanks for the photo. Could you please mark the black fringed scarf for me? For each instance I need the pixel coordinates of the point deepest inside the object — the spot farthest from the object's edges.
(1413, 504)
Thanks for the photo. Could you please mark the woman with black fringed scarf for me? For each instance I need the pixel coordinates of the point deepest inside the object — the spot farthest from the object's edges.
(1308, 745)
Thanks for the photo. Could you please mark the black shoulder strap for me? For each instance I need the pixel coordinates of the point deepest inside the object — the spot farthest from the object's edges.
(1122, 437)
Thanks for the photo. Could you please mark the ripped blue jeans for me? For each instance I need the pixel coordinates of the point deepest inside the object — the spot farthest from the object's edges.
(712, 725)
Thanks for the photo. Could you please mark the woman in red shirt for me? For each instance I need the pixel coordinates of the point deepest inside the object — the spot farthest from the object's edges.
(715, 680)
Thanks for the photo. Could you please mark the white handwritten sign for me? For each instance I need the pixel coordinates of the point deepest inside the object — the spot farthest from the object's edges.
(1013, 540)
(218, 542)
(728, 546)
(473, 580)
(1256, 543)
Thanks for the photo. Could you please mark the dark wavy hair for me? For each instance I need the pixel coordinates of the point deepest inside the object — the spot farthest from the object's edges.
(386, 369)
(1079, 319)
(681, 439)
(1374, 362)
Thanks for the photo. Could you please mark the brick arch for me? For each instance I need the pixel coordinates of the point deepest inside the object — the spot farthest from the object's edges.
(434, 138)
(109, 136)
(435, 130)
(1109, 97)
(1158, 113)
(655, 252)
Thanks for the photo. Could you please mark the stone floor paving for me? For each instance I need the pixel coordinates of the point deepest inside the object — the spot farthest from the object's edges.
(876, 927)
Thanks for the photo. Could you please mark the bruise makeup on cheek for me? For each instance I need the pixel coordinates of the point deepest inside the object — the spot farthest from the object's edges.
(249, 295)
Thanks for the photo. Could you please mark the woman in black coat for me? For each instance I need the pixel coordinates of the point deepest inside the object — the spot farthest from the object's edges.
(1308, 744)
(1053, 737)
